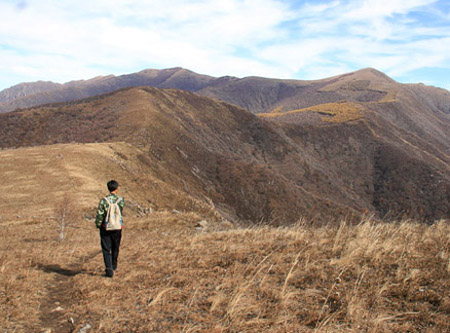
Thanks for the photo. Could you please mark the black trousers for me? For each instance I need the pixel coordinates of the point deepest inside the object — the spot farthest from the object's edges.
(110, 242)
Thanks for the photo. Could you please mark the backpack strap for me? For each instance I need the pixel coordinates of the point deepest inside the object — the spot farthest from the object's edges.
(118, 198)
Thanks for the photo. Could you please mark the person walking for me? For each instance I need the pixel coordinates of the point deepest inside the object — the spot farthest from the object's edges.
(110, 222)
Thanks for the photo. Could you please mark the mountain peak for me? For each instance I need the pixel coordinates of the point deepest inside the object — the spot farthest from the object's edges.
(166, 70)
(27, 88)
(371, 73)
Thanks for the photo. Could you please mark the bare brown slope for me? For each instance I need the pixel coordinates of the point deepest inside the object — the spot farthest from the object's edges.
(252, 168)
(256, 94)
(414, 116)
(36, 179)
(212, 151)
(391, 155)
(168, 78)
(26, 89)
(253, 93)
(422, 110)
(392, 148)
(397, 179)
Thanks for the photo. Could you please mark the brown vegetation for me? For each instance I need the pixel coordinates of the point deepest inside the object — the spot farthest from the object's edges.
(208, 150)
(39, 178)
(188, 159)
(332, 112)
(373, 277)
(250, 168)
(65, 216)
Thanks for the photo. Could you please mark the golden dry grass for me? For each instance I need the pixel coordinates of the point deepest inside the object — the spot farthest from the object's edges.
(333, 112)
(37, 178)
(373, 277)
(277, 110)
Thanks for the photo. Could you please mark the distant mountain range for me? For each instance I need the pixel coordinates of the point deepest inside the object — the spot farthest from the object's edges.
(255, 94)
(36, 93)
(354, 144)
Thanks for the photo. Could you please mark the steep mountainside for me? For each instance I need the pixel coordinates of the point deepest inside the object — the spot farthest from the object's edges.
(360, 140)
(391, 148)
(246, 166)
(421, 110)
(26, 89)
(169, 78)
(255, 94)
(415, 115)
(214, 152)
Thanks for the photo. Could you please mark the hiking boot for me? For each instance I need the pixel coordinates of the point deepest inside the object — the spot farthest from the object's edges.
(109, 273)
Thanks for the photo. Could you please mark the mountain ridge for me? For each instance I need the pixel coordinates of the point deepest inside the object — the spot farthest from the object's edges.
(359, 141)
(253, 168)
(226, 88)
(215, 149)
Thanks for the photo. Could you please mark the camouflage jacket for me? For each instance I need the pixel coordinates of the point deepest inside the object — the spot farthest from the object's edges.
(103, 208)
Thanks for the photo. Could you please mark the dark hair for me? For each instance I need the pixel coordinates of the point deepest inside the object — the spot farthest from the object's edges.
(112, 185)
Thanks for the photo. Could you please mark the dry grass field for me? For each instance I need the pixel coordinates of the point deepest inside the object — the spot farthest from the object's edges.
(176, 277)
(182, 160)
(172, 277)
(36, 179)
(330, 112)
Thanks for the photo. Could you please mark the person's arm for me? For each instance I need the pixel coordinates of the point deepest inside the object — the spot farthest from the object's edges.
(101, 212)
(122, 204)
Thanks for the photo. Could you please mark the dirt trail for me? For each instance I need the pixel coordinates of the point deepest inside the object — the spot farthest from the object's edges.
(56, 315)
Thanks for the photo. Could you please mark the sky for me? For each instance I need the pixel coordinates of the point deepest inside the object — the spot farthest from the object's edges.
(61, 40)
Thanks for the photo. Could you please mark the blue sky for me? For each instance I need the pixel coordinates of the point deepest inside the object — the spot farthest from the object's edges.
(60, 40)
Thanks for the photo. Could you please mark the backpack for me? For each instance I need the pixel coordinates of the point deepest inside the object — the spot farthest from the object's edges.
(113, 220)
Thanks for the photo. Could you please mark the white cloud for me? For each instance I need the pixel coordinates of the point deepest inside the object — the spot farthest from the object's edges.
(380, 34)
(64, 40)
(314, 8)
(124, 34)
(373, 9)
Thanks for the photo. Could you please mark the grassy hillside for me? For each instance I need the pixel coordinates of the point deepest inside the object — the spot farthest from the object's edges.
(213, 151)
(256, 169)
(342, 146)
(37, 179)
(206, 185)
(329, 112)
(373, 277)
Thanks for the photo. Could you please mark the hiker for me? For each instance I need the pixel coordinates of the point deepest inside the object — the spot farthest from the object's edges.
(109, 221)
